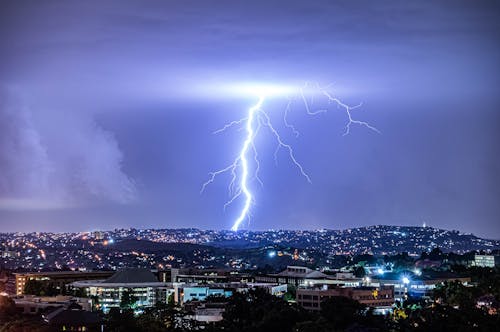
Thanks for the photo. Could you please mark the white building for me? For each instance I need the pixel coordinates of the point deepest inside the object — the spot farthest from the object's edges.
(484, 260)
(140, 283)
(304, 276)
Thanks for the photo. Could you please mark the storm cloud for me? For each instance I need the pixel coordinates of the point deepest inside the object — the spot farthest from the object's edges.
(110, 106)
(66, 163)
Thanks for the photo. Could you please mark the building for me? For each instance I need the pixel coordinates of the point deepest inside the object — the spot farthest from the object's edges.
(58, 279)
(415, 285)
(74, 319)
(208, 312)
(278, 290)
(375, 297)
(304, 276)
(485, 260)
(201, 293)
(29, 304)
(190, 275)
(195, 292)
(140, 283)
(9, 254)
(98, 235)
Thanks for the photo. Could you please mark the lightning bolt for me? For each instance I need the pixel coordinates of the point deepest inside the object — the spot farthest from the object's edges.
(254, 121)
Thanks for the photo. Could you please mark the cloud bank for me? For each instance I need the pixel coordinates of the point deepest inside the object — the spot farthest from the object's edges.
(69, 163)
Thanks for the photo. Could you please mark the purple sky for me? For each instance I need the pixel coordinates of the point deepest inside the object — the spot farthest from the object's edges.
(107, 111)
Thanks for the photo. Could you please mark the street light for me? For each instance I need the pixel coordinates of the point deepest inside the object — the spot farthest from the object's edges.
(406, 282)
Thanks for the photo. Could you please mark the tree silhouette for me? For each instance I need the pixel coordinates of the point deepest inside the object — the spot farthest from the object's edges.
(128, 299)
(342, 311)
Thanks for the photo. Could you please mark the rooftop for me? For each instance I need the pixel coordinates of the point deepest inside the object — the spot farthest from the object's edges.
(131, 276)
(73, 317)
(301, 272)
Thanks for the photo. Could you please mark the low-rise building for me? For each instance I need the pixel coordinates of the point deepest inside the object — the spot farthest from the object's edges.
(184, 292)
(74, 319)
(58, 279)
(375, 297)
(9, 253)
(304, 276)
(139, 283)
(191, 275)
(208, 312)
(485, 260)
(201, 293)
(415, 285)
(29, 304)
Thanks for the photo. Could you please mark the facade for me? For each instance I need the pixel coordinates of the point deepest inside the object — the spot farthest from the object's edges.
(201, 293)
(140, 283)
(278, 290)
(9, 254)
(31, 305)
(208, 314)
(190, 275)
(58, 279)
(415, 285)
(484, 260)
(376, 297)
(304, 276)
(184, 293)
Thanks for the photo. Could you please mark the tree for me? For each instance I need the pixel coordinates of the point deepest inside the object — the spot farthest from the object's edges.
(79, 292)
(171, 300)
(128, 299)
(291, 293)
(342, 311)
(121, 320)
(25, 324)
(436, 254)
(40, 288)
(34, 287)
(446, 318)
(364, 259)
(454, 293)
(258, 310)
(7, 307)
(319, 325)
(359, 271)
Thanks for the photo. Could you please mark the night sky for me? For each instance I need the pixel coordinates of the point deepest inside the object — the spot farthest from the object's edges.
(107, 110)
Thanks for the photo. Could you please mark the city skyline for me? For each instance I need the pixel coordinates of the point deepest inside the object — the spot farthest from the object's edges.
(107, 113)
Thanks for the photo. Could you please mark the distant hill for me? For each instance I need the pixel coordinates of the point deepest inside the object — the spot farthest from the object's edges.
(379, 239)
(150, 246)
